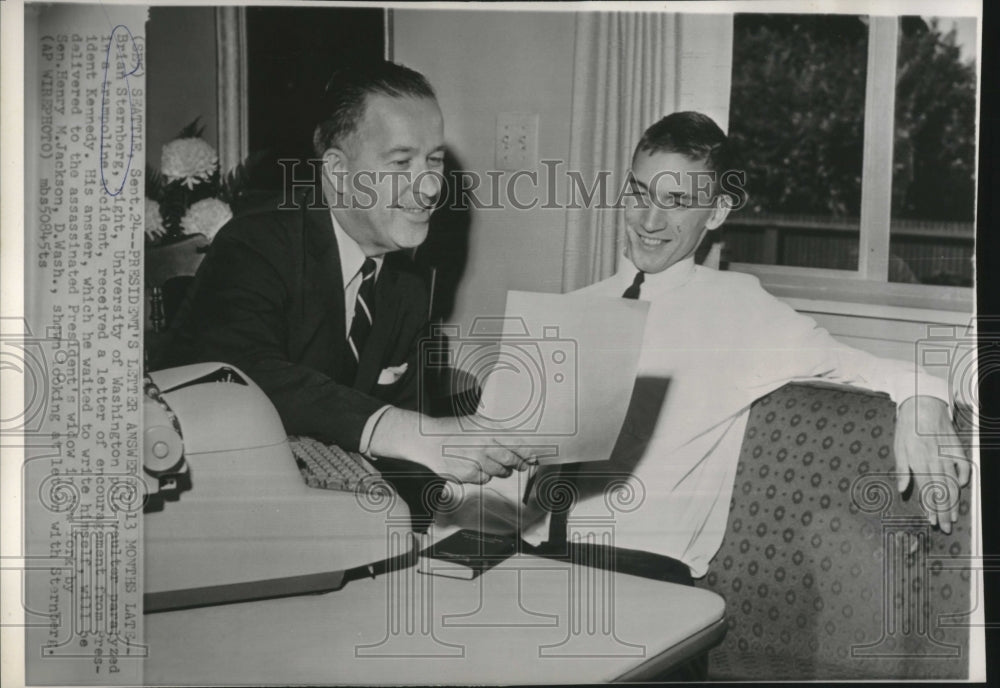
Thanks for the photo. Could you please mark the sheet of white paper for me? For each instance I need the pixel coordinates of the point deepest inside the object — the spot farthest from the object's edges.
(559, 380)
(564, 372)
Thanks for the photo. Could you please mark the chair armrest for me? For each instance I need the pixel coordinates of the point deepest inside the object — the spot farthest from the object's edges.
(816, 563)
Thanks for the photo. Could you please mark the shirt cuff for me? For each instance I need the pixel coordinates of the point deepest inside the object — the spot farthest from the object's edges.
(369, 430)
(930, 386)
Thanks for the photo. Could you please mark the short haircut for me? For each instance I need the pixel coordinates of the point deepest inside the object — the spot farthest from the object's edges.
(694, 135)
(346, 96)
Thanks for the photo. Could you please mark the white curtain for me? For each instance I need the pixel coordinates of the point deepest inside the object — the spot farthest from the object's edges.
(231, 65)
(631, 70)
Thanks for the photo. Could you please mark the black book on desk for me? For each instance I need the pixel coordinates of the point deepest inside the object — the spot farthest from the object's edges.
(466, 554)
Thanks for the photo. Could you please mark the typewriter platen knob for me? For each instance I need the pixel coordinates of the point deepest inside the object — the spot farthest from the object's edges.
(163, 448)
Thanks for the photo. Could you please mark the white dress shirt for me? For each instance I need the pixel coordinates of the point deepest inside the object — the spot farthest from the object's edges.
(714, 342)
(351, 260)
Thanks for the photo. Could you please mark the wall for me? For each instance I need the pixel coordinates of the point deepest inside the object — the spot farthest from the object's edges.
(482, 63)
(888, 331)
(181, 75)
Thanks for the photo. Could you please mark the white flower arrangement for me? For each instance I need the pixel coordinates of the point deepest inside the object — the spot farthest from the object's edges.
(190, 161)
(154, 221)
(189, 195)
(206, 217)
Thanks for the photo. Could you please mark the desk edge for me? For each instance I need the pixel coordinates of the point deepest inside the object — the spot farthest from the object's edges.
(700, 642)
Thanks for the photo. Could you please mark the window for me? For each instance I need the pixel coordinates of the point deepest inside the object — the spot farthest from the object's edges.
(858, 135)
(797, 113)
(934, 153)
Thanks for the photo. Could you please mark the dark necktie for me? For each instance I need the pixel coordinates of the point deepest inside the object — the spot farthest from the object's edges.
(633, 291)
(559, 522)
(361, 326)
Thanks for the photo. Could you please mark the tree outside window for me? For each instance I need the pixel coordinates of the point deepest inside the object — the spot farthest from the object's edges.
(934, 153)
(797, 113)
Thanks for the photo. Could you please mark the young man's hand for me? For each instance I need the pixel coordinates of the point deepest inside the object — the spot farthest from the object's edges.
(934, 455)
(441, 445)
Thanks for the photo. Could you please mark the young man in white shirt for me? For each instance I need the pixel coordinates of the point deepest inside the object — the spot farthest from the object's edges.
(714, 343)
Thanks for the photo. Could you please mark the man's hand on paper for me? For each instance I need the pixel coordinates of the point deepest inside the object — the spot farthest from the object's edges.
(926, 444)
(442, 445)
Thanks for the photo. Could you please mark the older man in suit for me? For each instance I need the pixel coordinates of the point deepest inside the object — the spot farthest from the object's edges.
(302, 300)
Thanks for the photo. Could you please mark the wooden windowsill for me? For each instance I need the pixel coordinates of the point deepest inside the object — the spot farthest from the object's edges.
(847, 292)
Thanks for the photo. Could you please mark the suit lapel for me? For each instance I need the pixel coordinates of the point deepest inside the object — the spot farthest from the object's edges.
(324, 281)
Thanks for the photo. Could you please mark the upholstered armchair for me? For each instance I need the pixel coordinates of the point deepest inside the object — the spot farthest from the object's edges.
(827, 571)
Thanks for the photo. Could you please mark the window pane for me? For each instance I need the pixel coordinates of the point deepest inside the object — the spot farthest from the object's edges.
(933, 184)
(797, 115)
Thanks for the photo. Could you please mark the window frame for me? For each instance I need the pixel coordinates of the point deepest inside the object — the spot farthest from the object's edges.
(869, 283)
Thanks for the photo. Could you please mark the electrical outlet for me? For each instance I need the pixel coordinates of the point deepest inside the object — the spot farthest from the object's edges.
(517, 141)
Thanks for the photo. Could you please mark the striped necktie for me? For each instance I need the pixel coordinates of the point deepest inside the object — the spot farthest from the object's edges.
(559, 521)
(361, 325)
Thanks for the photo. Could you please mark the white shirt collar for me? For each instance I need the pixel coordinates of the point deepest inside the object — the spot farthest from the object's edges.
(351, 255)
(671, 278)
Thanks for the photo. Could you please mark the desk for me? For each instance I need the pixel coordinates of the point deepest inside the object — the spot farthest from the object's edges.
(529, 620)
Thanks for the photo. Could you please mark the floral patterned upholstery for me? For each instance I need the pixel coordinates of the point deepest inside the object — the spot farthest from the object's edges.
(827, 571)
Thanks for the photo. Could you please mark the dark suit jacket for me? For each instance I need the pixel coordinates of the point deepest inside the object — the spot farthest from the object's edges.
(269, 299)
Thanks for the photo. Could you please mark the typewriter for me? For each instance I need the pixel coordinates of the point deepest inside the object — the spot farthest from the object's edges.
(231, 514)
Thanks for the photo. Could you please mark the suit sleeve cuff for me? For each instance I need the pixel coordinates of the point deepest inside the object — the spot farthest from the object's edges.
(369, 430)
